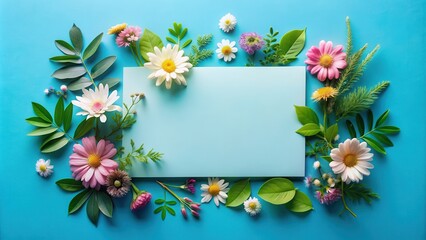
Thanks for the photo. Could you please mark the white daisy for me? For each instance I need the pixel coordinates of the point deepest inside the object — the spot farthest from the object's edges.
(96, 103)
(168, 64)
(216, 189)
(227, 23)
(351, 160)
(252, 206)
(44, 168)
(226, 50)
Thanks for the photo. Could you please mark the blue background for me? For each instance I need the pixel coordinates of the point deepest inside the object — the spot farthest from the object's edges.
(34, 208)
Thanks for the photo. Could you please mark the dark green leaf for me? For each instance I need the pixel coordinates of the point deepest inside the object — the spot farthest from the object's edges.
(102, 66)
(68, 117)
(59, 112)
(105, 203)
(111, 82)
(331, 132)
(170, 210)
(163, 213)
(238, 193)
(383, 139)
(171, 203)
(306, 115)
(70, 185)
(382, 118)
(66, 59)
(92, 47)
(172, 32)
(159, 201)
(81, 83)
(84, 127)
(277, 191)
(169, 39)
(158, 210)
(38, 122)
(300, 203)
(55, 135)
(186, 43)
(42, 131)
(309, 129)
(148, 41)
(388, 129)
(370, 119)
(65, 47)
(360, 124)
(351, 128)
(55, 145)
(374, 144)
(78, 201)
(292, 42)
(327, 158)
(76, 38)
(40, 111)
(357, 192)
(69, 72)
(92, 209)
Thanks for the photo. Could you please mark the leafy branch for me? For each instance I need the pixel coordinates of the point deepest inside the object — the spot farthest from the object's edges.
(137, 154)
(270, 49)
(199, 53)
(358, 192)
(179, 34)
(165, 208)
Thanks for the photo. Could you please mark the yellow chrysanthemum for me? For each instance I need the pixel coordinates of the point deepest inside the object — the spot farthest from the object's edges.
(117, 28)
(324, 93)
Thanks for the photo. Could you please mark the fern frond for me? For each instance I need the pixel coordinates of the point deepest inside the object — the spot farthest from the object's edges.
(347, 74)
(198, 52)
(349, 37)
(204, 40)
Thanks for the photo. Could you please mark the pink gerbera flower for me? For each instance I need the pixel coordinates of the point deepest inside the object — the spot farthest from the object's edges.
(91, 162)
(326, 61)
(128, 35)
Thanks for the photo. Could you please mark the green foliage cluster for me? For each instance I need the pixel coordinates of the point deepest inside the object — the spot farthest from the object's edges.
(165, 207)
(199, 53)
(178, 34)
(137, 154)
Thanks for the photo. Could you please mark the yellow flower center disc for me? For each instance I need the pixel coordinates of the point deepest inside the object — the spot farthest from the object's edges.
(226, 50)
(94, 160)
(227, 22)
(43, 167)
(252, 205)
(214, 189)
(168, 65)
(326, 61)
(350, 160)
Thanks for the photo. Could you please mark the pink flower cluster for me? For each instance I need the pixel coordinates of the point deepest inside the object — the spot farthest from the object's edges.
(128, 35)
(330, 196)
(192, 206)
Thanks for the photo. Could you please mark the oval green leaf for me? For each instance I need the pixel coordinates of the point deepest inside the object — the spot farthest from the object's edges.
(111, 82)
(277, 191)
(309, 129)
(300, 203)
(383, 139)
(148, 41)
(292, 43)
(159, 201)
(42, 131)
(158, 210)
(105, 203)
(66, 59)
(68, 117)
(55, 145)
(388, 129)
(92, 209)
(81, 83)
(78, 201)
(55, 135)
(238, 193)
(76, 38)
(331, 132)
(59, 112)
(374, 145)
(92, 47)
(170, 210)
(382, 118)
(84, 127)
(65, 47)
(68, 72)
(102, 66)
(306, 115)
(40, 111)
(70, 185)
(38, 122)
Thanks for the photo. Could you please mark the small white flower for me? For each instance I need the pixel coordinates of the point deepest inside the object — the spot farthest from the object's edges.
(46, 91)
(317, 164)
(64, 88)
(96, 103)
(216, 189)
(252, 206)
(227, 23)
(317, 182)
(336, 138)
(226, 50)
(44, 168)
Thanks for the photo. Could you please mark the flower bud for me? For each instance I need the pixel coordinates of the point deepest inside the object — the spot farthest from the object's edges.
(195, 207)
(195, 213)
(317, 164)
(317, 182)
(64, 88)
(183, 211)
(331, 182)
(336, 137)
(325, 176)
(187, 200)
(46, 91)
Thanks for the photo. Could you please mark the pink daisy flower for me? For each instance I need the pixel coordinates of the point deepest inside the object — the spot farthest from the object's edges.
(326, 61)
(128, 35)
(91, 162)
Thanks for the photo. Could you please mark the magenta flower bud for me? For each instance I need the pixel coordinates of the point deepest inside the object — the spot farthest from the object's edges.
(183, 211)
(195, 207)
(187, 200)
(195, 214)
(140, 201)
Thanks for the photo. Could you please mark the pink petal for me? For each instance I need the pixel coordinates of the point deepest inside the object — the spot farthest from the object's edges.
(99, 177)
(340, 64)
(322, 74)
(102, 170)
(78, 162)
(321, 47)
(333, 73)
(311, 62)
(80, 150)
(89, 144)
(89, 174)
(338, 49)
(108, 163)
(340, 56)
(328, 47)
(316, 69)
(109, 154)
(93, 182)
(100, 147)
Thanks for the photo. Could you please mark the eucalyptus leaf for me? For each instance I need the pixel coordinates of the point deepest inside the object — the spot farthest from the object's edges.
(374, 144)
(40, 111)
(331, 132)
(92, 209)
(66, 59)
(388, 129)
(360, 124)
(59, 112)
(300, 203)
(68, 117)
(306, 115)
(292, 43)
(79, 200)
(309, 129)
(105, 203)
(38, 122)
(42, 131)
(70, 185)
(277, 191)
(84, 127)
(65, 47)
(92, 47)
(148, 41)
(351, 129)
(81, 83)
(55, 135)
(55, 145)
(102, 66)
(69, 72)
(76, 38)
(382, 118)
(111, 82)
(238, 193)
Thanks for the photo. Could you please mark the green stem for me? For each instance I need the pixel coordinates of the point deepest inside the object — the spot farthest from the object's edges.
(344, 201)
(66, 134)
(173, 194)
(88, 72)
(135, 54)
(116, 129)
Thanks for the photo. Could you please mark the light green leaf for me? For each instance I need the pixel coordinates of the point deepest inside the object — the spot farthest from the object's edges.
(238, 193)
(382, 118)
(65, 47)
(59, 112)
(309, 129)
(76, 38)
(70, 185)
(183, 33)
(84, 127)
(92, 209)
(68, 72)
(382, 138)
(148, 41)
(81, 83)
(351, 128)
(186, 43)
(111, 82)
(105, 203)
(55, 135)
(42, 131)
(292, 43)
(78, 201)
(300, 203)
(102, 66)
(375, 145)
(331, 132)
(360, 124)
(40, 111)
(54, 145)
(171, 40)
(38, 122)
(92, 47)
(277, 191)
(68, 117)
(388, 129)
(306, 115)
(66, 59)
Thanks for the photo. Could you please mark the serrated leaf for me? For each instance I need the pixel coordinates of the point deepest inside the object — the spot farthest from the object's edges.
(55, 145)
(292, 43)
(105, 203)
(76, 38)
(331, 132)
(238, 193)
(374, 145)
(309, 129)
(78, 201)
(84, 127)
(360, 124)
(69, 72)
(111, 82)
(277, 191)
(65, 47)
(66, 59)
(40, 111)
(306, 115)
(92, 209)
(170, 210)
(92, 47)
(382, 138)
(68, 117)
(382, 118)
(70, 185)
(351, 129)
(370, 119)
(159, 201)
(55, 135)
(81, 83)
(102, 66)
(59, 112)
(299, 203)
(42, 131)
(38, 122)
(158, 210)
(388, 129)
(171, 40)
(186, 43)
(148, 41)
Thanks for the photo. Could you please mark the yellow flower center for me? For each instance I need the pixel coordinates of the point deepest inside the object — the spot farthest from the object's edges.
(226, 50)
(214, 189)
(350, 160)
(43, 167)
(252, 205)
(94, 160)
(168, 65)
(227, 22)
(326, 61)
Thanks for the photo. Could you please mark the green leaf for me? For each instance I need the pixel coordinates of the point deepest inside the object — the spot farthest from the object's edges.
(70, 184)
(66, 59)
(292, 42)
(159, 201)
(59, 112)
(42, 131)
(171, 40)
(92, 209)
(388, 129)
(68, 72)
(65, 47)
(102, 66)
(171, 203)
(158, 210)
(183, 33)
(277, 191)
(382, 138)
(300, 203)
(40, 111)
(76, 38)
(360, 124)
(38, 122)
(78, 201)
(111, 82)
(370, 119)
(163, 213)
(92, 47)
(81, 83)
(309, 129)
(170, 210)
(55, 135)
(331, 132)
(238, 193)
(148, 41)
(172, 32)
(186, 43)
(68, 117)
(55, 145)
(84, 127)
(382, 118)
(351, 128)
(374, 144)
(306, 115)
(327, 158)
(105, 203)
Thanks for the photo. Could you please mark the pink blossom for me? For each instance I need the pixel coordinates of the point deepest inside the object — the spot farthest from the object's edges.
(128, 35)
(140, 201)
(330, 196)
